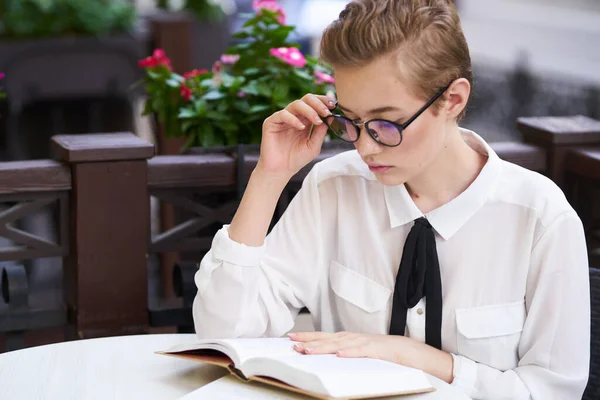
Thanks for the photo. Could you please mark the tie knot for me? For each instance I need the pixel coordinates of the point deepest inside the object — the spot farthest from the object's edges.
(423, 222)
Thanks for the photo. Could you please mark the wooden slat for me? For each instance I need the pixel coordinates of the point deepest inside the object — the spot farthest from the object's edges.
(34, 176)
(188, 244)
(97, 147)
(214, 170)
(217, 170)
(16, 253)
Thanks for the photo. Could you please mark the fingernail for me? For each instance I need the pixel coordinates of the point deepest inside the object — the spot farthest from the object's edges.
(309, 350)
(301, 126)
(291, 335)
(327, 112)
(331, 103)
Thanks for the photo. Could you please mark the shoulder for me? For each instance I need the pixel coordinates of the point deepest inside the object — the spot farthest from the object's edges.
(533, 191)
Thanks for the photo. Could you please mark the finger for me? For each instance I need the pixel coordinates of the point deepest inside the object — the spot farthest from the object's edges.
(340, 336)
(321, 104)
(318, 136)
(302, 109)
(310, 336)
(286, 117)
(332, 346)
(361, 350)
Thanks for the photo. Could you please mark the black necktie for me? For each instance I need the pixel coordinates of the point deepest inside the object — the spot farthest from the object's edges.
(418, 276)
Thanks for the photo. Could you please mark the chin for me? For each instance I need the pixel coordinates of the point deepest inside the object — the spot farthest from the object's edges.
(389, 179)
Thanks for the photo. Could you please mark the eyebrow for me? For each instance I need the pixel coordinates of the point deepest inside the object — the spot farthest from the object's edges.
(379, 110)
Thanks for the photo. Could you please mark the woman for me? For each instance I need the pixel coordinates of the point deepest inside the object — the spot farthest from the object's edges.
(421, 247)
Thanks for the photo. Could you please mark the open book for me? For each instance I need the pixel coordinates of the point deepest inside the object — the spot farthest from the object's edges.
(275, 362)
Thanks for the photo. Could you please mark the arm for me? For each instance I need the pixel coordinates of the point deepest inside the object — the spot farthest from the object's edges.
(252, 286)
(554, 348)
(250, 291)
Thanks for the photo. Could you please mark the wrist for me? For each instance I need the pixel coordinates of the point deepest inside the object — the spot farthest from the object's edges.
(433, 361)
(270, 178)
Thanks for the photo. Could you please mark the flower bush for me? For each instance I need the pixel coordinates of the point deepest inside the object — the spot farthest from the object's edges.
(50, 18)
(257, 76)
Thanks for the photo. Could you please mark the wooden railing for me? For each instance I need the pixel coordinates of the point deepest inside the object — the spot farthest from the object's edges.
(99, 190)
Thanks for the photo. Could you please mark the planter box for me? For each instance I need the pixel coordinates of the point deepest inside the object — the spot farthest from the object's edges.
(78, 85)
(70, 67)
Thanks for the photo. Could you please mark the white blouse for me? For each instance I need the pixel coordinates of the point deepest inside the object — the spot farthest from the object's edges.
(513, 262)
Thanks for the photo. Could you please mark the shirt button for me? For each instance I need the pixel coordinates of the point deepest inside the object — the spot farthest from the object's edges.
(420, 311)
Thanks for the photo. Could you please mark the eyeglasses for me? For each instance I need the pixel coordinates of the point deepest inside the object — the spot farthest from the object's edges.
(385, 132)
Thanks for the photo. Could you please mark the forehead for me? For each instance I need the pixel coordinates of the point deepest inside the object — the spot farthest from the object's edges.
(376, 85)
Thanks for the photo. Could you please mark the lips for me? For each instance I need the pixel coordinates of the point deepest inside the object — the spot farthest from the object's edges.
(379, 169)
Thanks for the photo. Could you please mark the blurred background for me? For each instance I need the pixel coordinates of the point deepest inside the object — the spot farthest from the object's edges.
(530, 57)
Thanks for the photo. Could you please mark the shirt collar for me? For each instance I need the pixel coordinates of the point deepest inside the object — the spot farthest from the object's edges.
(450, 217)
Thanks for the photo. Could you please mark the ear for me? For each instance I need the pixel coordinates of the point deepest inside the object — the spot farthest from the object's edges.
(457, 96)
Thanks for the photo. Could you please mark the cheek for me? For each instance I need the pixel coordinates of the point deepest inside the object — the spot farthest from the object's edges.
(418, 146)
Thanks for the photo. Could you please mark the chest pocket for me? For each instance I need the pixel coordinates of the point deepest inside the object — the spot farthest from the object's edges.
(360, 302)
(491, 334)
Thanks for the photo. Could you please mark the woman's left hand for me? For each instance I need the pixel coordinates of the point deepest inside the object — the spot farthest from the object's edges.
(397, 349)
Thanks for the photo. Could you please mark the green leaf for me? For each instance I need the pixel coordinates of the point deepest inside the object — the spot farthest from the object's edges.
(241, 35)
(213, 95)
(258, 108)
(252, 71)
(303, 74)
(201, 107)
(191, 140)
(147, 107)
(173, 83)
(187, 113)
(216, 116)
(264, 89)
(281, 91)
(187, 125)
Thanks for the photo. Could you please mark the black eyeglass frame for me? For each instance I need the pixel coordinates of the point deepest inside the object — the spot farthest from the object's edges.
(400, 127)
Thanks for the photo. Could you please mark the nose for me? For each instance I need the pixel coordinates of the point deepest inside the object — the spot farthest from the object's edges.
(366, 145)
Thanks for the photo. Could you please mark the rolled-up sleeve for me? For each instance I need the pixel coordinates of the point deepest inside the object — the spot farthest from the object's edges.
(554, 349)
(246, 291)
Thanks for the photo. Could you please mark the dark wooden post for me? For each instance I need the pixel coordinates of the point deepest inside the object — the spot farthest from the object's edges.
(558, 135)
(106, 279)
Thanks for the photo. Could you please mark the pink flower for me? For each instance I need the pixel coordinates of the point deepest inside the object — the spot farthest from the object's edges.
(1, 75)
(270, 5)
(230, 58)
(217, 67)
(158, 58)
(322, 78)
(185, 92)
(241, 94)
(291, 55)
(194, 73)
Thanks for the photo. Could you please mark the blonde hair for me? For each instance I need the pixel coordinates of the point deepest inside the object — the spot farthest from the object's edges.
(425, 36)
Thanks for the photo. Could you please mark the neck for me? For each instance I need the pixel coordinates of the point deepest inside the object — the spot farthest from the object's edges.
(454, 169)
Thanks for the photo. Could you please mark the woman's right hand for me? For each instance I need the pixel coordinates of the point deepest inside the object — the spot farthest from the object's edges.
(287, 143)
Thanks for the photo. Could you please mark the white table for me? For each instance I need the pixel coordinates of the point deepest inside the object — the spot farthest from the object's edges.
(123, 367)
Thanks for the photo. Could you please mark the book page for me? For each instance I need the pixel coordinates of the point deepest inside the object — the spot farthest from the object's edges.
(261, 347)
(242, 349)
(341, 377)
(230, 388)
